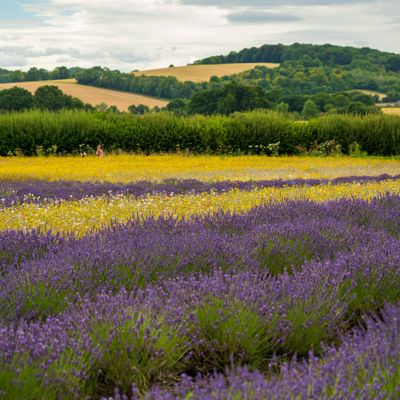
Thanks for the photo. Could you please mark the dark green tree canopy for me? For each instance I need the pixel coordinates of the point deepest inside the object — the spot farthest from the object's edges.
(53, 99)
(228, 99)
(16, 99)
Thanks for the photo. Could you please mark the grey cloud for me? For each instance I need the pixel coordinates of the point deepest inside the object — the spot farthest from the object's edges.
(127, 56)
(7, 61)
(260, 17)
(268, 3)
(30, 52)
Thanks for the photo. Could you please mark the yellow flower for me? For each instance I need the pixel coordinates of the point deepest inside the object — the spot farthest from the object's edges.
(83, 216)
(129, 168)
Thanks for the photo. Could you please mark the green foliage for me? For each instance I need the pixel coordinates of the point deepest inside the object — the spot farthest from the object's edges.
(52, 98)
(307, 54)
(309, 327)
(282, 108)
(310, 110)
(356, 151)
(253, 132)
(143, 350)
(178, 106)
(230, 332)
(16, 99)
(139, 110)
(46, 98)
(280, 254)
(305, 70)
(25, 386)
(228, 99)
(35, 74)
(157, 86)
(29, 383)
(312, 69)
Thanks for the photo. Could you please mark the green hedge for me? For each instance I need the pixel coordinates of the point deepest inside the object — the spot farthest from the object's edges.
(67, 131)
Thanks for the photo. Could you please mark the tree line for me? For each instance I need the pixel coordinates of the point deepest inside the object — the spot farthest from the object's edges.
(234, 97)
(326, 54)
(225, 100)
(156, 86)
(36, 74)
(45, 98)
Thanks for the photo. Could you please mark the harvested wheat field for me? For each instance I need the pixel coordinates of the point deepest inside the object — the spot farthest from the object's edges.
(392, 110)
(203, 73)
(92, 95)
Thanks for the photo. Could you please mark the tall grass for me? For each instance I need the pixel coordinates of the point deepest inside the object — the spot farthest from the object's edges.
(66, 132)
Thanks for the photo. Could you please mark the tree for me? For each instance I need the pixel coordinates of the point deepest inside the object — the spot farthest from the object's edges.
(53, 99)
(16, 99)
(49, 98)
(282, 108)
(138, 110)
(60, 73)
(310, 110)
(228, 99)
(177, 106)
(393, 64)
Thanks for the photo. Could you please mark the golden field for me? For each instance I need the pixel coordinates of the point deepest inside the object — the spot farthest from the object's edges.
(203, 73)
(92, 95)
(391, 110)
(131, 168)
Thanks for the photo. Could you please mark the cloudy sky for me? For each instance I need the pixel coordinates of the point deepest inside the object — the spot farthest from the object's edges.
(143, 34)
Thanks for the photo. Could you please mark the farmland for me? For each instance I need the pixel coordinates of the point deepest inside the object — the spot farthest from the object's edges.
(91, 95)
(181, 276)
(203, 73)
(391, 110)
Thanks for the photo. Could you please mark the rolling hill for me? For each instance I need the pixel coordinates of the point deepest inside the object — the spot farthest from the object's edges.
(92, 95)
(203, 73)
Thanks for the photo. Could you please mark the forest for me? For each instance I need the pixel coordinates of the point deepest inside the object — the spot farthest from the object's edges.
(321, 75)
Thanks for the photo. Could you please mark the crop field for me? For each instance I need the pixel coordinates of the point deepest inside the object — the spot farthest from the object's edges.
(199, 277)
(203, 73)
(92, 95)
(391, 110)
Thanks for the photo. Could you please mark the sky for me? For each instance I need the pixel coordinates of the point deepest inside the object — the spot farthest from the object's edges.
(145, 34)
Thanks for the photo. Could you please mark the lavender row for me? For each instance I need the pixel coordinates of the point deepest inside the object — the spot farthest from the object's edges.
(199, 324)
(37, 191)
(145, 303)
(40, 270)
(366, 366)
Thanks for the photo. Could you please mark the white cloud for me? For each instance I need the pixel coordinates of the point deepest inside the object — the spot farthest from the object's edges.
(130, 34)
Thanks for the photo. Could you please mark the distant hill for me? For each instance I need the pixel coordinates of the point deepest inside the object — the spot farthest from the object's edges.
(327, 54)
(203, 73)
(288, 75)
(91, 95)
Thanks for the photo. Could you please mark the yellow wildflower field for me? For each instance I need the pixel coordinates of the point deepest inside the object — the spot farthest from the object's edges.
(90, 214)
(131, 168)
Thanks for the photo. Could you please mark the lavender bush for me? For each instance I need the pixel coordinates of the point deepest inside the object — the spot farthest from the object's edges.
(293, 300)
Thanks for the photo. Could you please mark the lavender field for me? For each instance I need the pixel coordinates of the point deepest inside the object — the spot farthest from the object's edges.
(292, 298)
